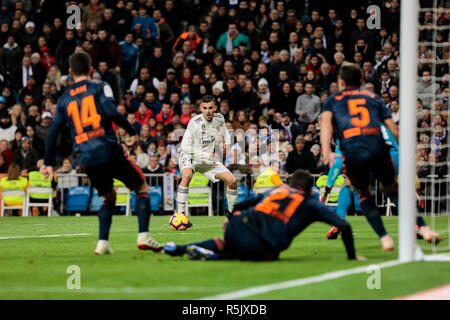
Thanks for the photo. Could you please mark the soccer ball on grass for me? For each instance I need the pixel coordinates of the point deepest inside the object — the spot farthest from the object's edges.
(179, 221)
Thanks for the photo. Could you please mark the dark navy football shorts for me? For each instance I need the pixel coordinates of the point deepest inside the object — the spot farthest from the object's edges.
(123, 169)
(360, 164)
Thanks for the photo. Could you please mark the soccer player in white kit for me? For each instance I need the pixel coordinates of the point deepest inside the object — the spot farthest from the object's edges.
(197, 153)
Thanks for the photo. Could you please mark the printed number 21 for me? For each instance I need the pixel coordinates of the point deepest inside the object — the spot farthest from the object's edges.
(89, 114)
(356, 107)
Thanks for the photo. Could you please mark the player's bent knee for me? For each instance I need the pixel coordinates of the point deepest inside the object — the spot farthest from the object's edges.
(233, 183)
(143, 188)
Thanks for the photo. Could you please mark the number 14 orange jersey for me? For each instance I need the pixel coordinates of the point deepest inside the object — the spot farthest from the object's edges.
(89, 109)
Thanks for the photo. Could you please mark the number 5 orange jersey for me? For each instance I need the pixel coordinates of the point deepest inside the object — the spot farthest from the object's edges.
(88, 109)
(357, 117)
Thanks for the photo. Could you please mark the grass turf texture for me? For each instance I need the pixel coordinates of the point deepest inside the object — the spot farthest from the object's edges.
(35, 268)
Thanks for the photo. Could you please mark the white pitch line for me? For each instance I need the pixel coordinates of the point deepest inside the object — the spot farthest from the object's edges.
(46, 236)
(253, 291)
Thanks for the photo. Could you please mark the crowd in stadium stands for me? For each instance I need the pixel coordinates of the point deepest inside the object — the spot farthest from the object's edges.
(270, 64)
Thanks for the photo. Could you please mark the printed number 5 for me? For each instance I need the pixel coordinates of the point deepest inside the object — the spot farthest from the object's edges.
(356, 107)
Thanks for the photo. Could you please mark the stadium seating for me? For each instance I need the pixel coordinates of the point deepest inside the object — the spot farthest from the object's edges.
(40, 190)
(11, 193)
(155, 198)
(200, 190)
(96, 201)
(123, 191)
(78, 199)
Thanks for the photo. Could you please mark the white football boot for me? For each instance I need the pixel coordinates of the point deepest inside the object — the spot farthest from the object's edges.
(145, 242)
(103, 248)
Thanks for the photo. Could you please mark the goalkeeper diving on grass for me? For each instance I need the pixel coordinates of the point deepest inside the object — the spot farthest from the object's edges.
(261, 227)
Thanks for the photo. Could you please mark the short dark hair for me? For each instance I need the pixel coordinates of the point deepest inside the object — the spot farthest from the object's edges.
(80, 63)
(351, 74)
(302, 179)
(207, 99)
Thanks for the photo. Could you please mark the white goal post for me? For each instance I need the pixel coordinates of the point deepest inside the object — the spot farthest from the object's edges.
(409, 27)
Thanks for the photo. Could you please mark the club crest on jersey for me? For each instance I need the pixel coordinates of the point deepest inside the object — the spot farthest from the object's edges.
(203, 127)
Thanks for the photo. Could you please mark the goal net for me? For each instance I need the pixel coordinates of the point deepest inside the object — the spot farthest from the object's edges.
(432, 143)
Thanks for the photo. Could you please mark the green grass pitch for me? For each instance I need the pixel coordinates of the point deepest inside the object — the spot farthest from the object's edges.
(35, 268)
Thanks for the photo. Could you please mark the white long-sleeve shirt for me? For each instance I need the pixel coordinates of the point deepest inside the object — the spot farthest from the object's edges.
(199, 139)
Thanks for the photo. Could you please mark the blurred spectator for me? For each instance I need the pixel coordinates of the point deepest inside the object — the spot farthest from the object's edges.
(186, 111)
(36, 143)
(43, 128)
(144, 26)
(25, 156)
(163, 155)
(93, 13)
(427, 89)
(263, 99)
(18, 117)
(65, 48)
(153, 165)
(109, 77)
(17, 141)
(241, 121)
(159, 64)
(142, 158)
(439, 141)
(166, 114)
(230, 39)
(151, 103)
(319, 167)
(10, 56)
(130, 52)
(6, 152)
(145, 80)
(172, 166)
(7, 129)
(395, 111)
(33, 117)
(122, 136)
(132, 119)
(300, 158)
(191, 36)
(106, 49)
(307, 107)
(13, 181)
(284, 64)
(143, 114)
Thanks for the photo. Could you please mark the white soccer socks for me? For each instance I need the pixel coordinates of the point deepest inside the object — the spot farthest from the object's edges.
(231, 198)
(182, 199)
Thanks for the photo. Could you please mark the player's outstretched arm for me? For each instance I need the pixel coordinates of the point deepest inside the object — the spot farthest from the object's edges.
(329, 216)
(326, 134)
(249, 202)
(393, 128)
